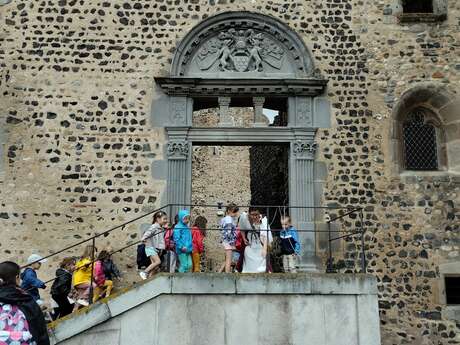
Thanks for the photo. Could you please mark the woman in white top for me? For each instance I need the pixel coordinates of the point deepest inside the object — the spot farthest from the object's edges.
(257, 236)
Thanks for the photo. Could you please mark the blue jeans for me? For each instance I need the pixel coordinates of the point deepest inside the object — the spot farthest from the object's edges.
(185, 262)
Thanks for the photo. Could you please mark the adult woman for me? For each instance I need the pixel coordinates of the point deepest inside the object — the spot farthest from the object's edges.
(256, 236)
(21, 318)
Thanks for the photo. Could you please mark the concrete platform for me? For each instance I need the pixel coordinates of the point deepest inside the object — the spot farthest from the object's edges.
(232, 309)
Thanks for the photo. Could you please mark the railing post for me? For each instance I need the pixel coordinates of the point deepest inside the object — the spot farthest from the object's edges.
(91, 289)
(329, 260)
(267, 256)
(363, 249)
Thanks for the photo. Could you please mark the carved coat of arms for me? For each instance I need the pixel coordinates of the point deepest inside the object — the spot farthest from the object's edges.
(240, 51)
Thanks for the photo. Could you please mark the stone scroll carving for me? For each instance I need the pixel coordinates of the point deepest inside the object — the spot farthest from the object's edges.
(240, 51)
(304, 149)
(178, 150)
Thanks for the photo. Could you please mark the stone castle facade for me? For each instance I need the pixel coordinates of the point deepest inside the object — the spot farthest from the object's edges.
(79, 152)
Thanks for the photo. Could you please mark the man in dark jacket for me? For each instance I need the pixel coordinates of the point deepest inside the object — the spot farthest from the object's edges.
(12, 295)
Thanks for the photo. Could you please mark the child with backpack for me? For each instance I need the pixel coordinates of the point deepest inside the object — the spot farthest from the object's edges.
(104, 286)
(198, 233)
(229, 234)
(21, 319)
(169, 259)
(62, 286)
(290, 245)
(111, 270)
(153, 238)
(81, 279)
(183, 240)
(30, 282)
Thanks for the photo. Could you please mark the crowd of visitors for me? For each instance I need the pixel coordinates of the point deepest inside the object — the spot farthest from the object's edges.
(246, 239)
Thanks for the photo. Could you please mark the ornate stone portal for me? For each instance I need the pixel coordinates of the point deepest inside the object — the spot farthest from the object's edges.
(243, 55)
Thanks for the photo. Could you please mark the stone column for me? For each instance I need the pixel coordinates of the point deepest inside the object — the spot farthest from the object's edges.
(224, 117)
(259, 112)
(302, 186)
(179, 174)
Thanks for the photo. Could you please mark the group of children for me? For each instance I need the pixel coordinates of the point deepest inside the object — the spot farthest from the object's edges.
(179, 247)
(72, 287)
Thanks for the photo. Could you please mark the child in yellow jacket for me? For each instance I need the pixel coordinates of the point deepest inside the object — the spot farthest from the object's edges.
(81, 279)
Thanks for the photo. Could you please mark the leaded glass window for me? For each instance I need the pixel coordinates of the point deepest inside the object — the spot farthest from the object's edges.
(420, 141)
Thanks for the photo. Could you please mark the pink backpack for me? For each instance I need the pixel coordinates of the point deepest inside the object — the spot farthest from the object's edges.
(14, 327)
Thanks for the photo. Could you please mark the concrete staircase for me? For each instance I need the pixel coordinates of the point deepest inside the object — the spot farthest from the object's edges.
(231, 309)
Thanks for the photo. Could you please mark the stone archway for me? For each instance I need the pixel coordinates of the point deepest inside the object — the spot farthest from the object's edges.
(245, 58)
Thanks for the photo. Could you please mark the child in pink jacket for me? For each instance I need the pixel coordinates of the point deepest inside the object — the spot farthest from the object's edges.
(104, 286)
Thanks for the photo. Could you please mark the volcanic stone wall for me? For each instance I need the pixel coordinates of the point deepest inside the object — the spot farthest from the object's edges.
(76, 83)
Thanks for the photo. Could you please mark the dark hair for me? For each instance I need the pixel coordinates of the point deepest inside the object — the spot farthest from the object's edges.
(201, 223)
(158, 215)
(8, 272)
(232, 208)
(66, 262)
(254, 209)
(103, 255)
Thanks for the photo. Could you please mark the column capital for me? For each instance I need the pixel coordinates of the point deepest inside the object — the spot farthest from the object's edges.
(304, 149)
(224, 101)
(258, 101)
(178, 149)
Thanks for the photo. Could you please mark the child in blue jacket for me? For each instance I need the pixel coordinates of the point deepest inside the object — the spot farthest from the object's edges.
(290, 245)
(183, 240)
(30, 283)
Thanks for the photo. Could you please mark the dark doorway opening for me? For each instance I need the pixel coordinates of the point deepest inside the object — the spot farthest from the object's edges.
(452, 285)
(270, 180)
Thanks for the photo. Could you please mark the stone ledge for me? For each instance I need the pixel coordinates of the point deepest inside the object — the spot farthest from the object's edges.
(211, 284)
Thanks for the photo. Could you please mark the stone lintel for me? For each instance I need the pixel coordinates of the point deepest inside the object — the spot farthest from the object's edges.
(232, 135)
(183, 86)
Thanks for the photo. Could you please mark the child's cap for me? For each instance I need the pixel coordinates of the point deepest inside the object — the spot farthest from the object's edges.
(35, 258)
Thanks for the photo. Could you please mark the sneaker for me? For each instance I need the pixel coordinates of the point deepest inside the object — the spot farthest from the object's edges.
(83, 302)
(143, 275)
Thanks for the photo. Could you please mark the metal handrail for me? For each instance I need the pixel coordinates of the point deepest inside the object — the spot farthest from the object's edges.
(93, 238)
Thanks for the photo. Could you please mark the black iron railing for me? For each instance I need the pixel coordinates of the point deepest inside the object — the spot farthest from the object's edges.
(271, 212)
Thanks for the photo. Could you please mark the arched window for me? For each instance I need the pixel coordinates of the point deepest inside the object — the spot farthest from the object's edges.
(420, 140)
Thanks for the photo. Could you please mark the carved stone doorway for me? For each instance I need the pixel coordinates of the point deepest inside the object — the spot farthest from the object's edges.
(251, 60)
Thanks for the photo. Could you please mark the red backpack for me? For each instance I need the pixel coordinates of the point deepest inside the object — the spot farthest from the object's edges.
(169, 239)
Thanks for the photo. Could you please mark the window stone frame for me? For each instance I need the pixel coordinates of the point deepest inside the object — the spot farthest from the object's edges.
(444, 105)
(394, 13)
(450, 269)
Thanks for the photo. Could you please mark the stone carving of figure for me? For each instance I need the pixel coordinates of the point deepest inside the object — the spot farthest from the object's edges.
(254, 54)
